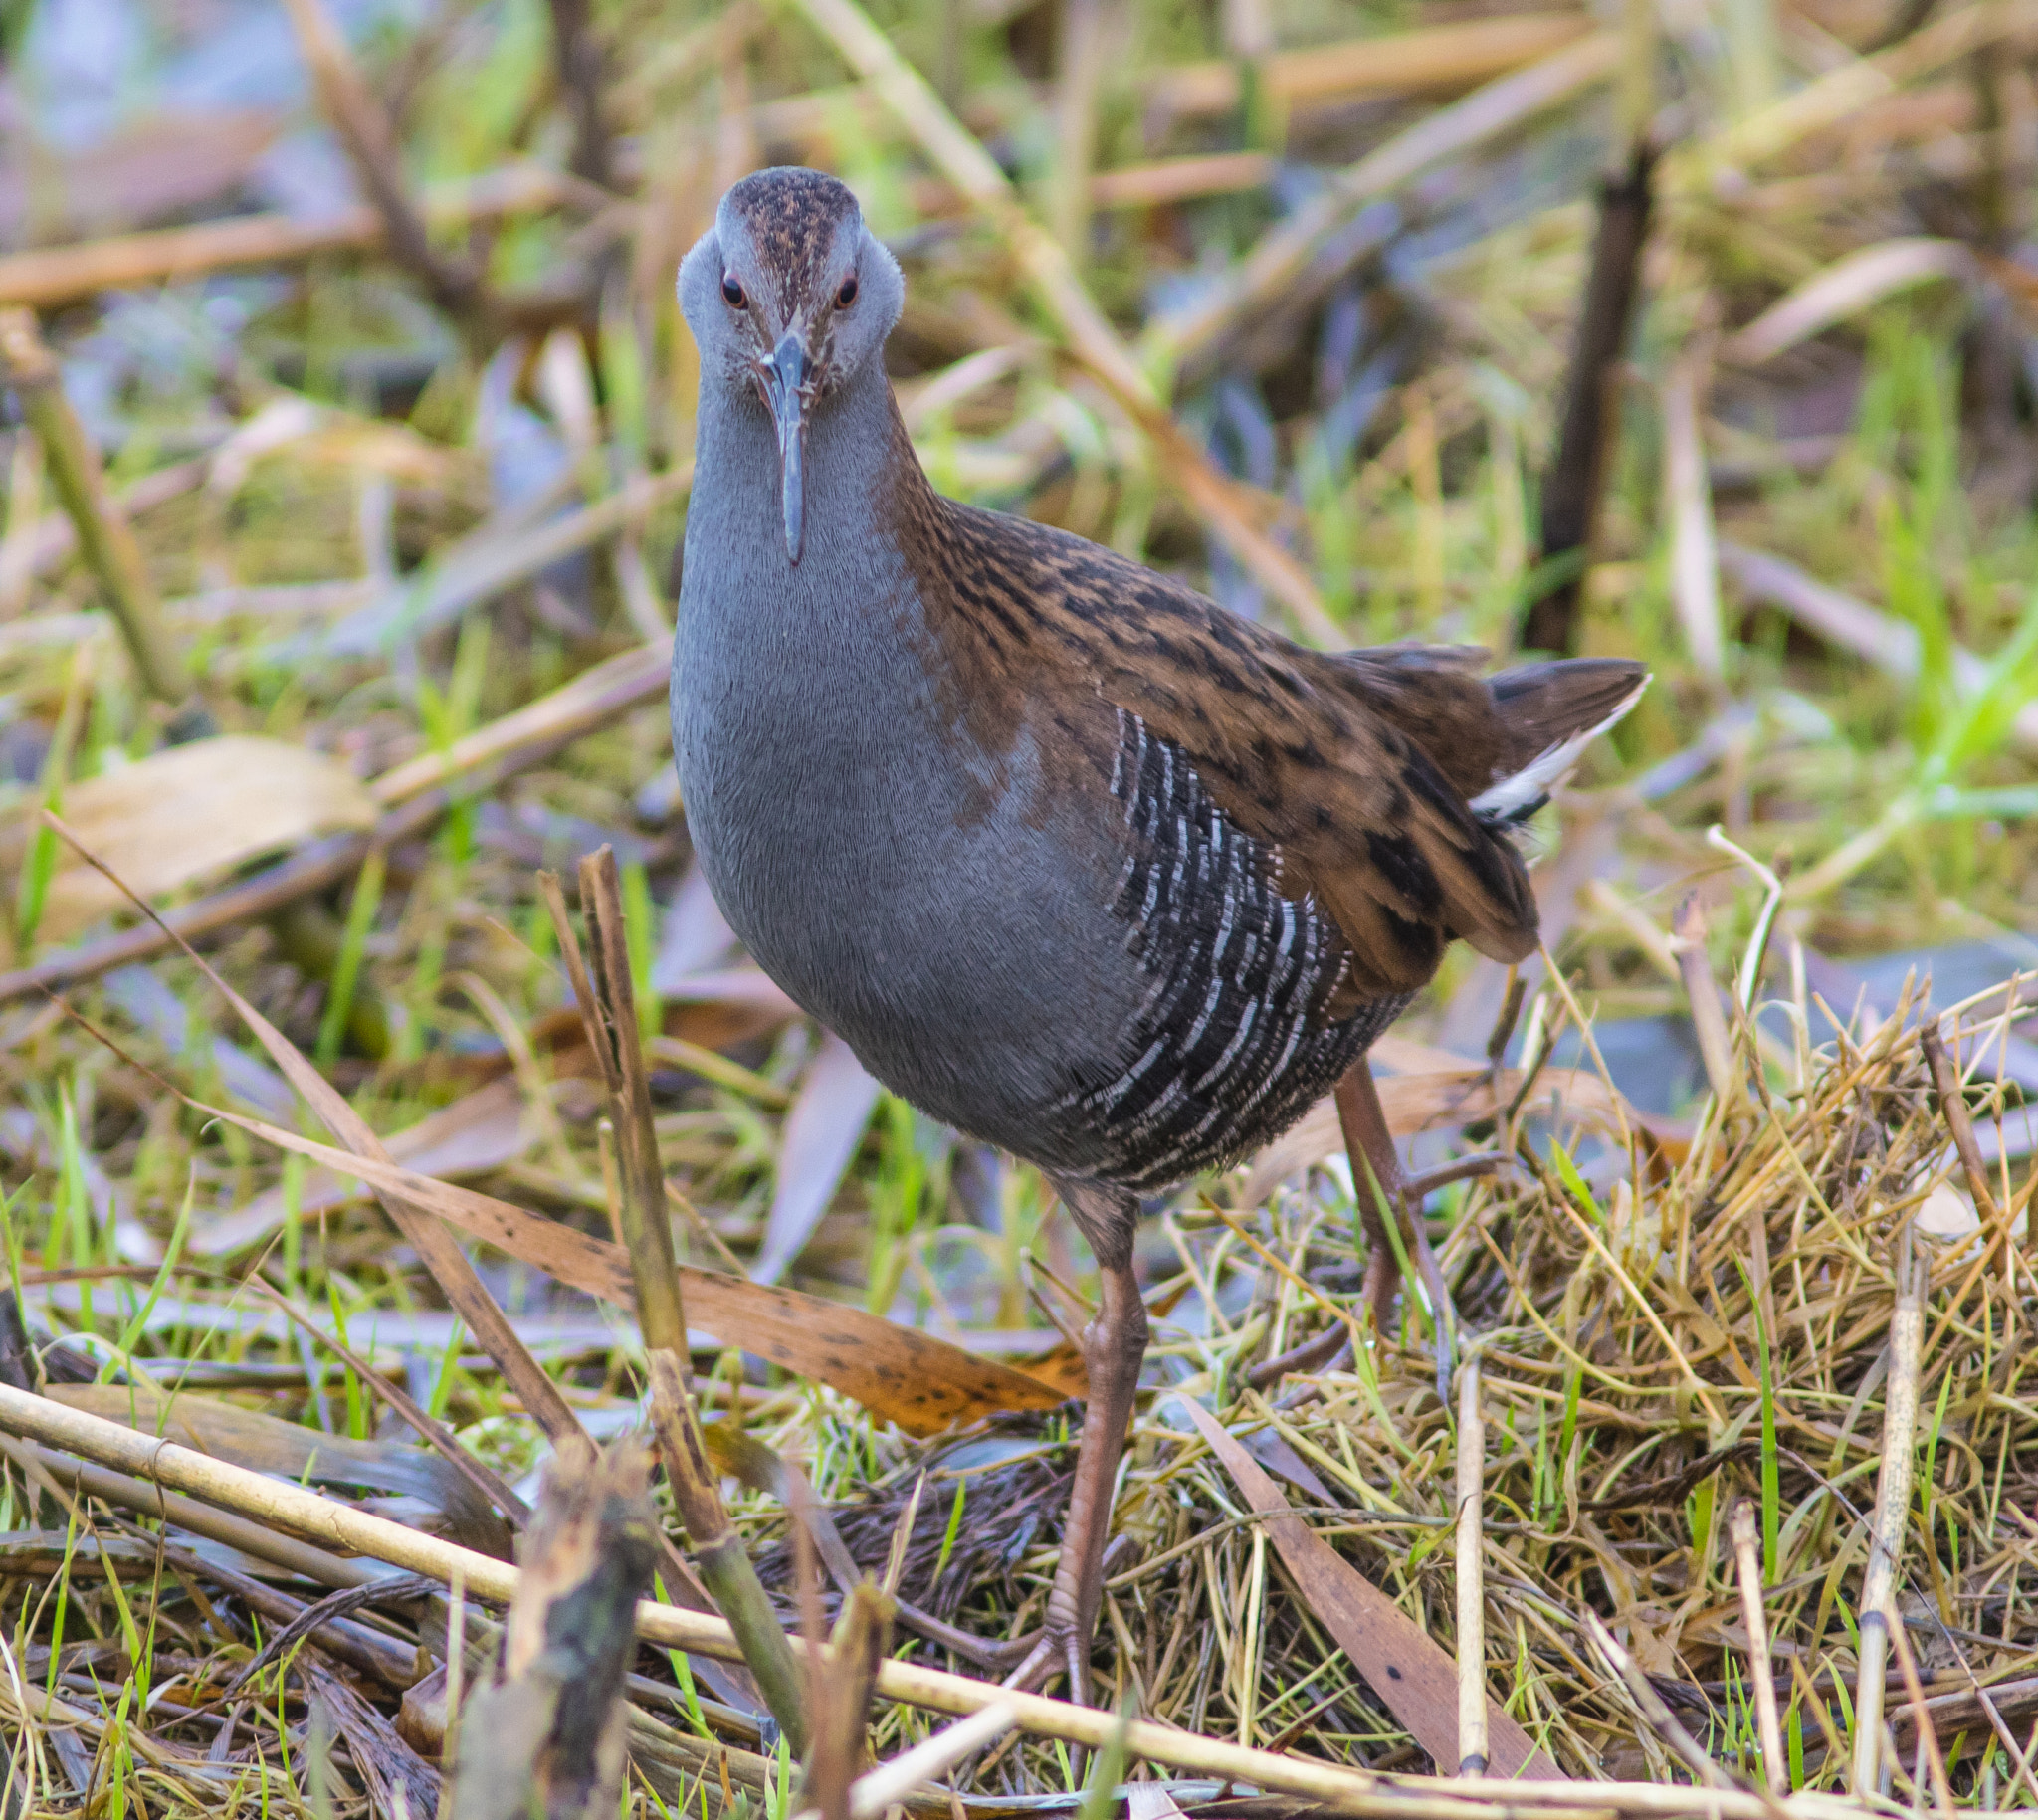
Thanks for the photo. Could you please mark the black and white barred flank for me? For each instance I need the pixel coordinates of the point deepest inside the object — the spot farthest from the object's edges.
(1232, 1045)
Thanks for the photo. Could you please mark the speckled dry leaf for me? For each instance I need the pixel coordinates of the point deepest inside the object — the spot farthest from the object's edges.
(898, 1374)
(187, 814)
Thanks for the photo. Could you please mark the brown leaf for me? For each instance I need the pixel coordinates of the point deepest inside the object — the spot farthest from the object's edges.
(1414, 1676)
(900, 1375)
(822, 1131)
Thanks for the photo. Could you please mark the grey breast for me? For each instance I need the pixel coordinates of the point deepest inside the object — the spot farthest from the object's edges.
(954, 926)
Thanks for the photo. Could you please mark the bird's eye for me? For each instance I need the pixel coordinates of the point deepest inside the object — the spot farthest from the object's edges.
(731, 292)
(846, 295)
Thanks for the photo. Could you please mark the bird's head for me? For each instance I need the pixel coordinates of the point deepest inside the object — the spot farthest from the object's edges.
(788, 297)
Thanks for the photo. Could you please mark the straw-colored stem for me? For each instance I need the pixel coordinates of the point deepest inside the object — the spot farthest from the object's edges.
(1471, 1573)
(608, 1011)
(1892, 1517)
(1748, 1562)
(1358, 1793)
(1076, 82)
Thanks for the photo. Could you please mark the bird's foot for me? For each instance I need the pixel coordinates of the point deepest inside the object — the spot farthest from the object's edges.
(1057, 1649)
(1028, 1663)
(994, 1658)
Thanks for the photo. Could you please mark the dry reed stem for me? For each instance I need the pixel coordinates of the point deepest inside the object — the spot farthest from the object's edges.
(48, 277)
(363, 129)
(104, 537)
(1471, 1743)
(606, 997)
(1891, 1516)
(1365, 1796)
(1761, 1672)
(1272, 268)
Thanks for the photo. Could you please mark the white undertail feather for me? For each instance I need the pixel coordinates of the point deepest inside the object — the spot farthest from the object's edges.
(1511, 796)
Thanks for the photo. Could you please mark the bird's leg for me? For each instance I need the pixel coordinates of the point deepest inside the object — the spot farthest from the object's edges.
(1370, 1143)
(1113, 1343)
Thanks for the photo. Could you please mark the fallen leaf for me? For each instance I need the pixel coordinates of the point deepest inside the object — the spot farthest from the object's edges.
(820, 1136)
(188, 813)
(900, 1375)
(1414, 1676)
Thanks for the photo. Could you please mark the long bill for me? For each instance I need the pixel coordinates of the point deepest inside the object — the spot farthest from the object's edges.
(785, 376)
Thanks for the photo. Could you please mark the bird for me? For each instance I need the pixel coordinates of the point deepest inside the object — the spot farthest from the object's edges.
(1073, 858)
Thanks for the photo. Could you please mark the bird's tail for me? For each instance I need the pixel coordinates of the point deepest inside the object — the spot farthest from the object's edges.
(1550, 712)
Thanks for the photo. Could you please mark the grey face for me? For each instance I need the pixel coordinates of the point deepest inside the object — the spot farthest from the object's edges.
(788, 297)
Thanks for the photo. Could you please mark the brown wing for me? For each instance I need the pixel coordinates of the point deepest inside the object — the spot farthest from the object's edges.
(1363, 817)
(1324, 760)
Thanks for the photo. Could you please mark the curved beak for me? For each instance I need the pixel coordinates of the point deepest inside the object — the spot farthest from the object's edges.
(786, 376)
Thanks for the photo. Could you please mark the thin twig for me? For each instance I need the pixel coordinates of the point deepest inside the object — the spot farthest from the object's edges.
(456, 286)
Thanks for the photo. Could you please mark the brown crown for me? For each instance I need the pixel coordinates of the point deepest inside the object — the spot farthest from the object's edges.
(793, 215)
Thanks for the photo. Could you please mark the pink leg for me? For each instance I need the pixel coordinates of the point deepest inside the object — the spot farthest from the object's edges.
(1114, 1344)
(1371, 1147)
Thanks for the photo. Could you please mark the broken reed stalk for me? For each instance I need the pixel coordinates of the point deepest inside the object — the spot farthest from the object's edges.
(1471, 1577)
(839, 1694)
(1748, 1562)
(547, 1736)
(1952, 1105)
(274, 1504)
(105, 539)
(608, 1010)
(1891, 1517)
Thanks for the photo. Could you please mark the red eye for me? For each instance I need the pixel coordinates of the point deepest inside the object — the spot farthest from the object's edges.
(846, 295)
(732, 293)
